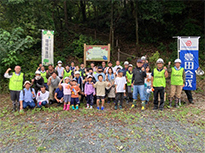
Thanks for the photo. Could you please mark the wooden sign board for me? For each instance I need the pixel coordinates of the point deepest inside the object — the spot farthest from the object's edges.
(96, 53)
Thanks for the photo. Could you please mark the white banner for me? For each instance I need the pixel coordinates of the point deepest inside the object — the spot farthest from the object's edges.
(189, 44)
(47, 47)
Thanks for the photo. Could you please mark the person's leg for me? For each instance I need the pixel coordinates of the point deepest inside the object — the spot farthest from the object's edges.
(172, 93)
(117, 99)
(142, 95)
(44, 103)
(25, 104)
(189, 96)
(161, 91)
(68, 102)
(13, 99)
(148, 94)
(98, 100)
(121, 99)
(103, 101)
(155, 98)
(17, 100)
(51, 89)
(135, 92)
(178, 95)
(39, 104)
(77, 102)
(72, 103)
(31, 104)
(91, 101)
(88, 101)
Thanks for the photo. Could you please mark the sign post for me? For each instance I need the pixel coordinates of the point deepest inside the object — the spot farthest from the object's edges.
(96, 53)
(188, 49)
(47, 47)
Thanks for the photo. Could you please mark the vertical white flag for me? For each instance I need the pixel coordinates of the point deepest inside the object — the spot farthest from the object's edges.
(47, 47)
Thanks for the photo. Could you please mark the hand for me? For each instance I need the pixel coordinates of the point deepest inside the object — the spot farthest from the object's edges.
(92, 83)
(58, 100)
(132, 84)
(165, 68)
(169, 63)
(9, 69)
(85, 95)
(32, 80)
(128, 81)
(39, 94)
(142, 68)
(123, 88)
(46, 71)
(93, 94)
(183, 85)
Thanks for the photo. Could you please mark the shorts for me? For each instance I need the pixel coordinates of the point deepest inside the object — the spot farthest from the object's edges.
(100, 97)
(67, 98)
(75, 101)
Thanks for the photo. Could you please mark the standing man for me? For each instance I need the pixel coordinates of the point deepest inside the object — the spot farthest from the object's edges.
(125, 69)
(178, 79)
(158, 81)
(138, 84)
(109, 66)
(60, 69)
(16, 81)
(50, 71)
(117, 65)
(103, 66)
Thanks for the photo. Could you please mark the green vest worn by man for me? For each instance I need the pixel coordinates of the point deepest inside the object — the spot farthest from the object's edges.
(159, 78)
(177, 77)
(43, 74)
(67, 74)
(129, 77)
(16, 82)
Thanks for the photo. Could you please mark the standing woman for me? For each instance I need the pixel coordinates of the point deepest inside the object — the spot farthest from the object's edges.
(110, 77)
(43, 74)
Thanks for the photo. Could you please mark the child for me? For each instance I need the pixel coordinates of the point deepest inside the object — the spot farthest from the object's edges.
(66, 92)
(42, 97)
(147, 84)
(129, 75)
(120, 85)
(100, 86)
(158, 81)
(110, 77)
(74, 94)
(89, 91)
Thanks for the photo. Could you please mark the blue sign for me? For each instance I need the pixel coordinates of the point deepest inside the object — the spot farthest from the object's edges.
(190, 63)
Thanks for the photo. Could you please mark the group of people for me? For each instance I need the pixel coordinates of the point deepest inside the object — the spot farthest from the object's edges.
(70, 85)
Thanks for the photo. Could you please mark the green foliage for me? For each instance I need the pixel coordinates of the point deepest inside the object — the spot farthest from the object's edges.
(154, 58)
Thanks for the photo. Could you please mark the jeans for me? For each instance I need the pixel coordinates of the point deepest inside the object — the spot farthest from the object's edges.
(29, 104)
(43, 103)
(146, 93)
(159, 90)
(138, 89)
(90, 99)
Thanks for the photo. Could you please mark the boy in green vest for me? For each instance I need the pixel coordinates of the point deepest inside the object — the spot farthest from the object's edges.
(129, 75)
(16, 81)
(43, 74)
(67, 72)
(178, 79)
(158, 82)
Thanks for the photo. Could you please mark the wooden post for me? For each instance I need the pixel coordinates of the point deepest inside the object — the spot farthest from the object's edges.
(108, 58)
(85, 55)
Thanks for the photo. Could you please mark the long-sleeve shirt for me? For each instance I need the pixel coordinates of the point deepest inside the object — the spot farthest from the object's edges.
(27, 96)
(38, 83)
(138, 76)
(42, 96)
(9, 75)
(89, 89)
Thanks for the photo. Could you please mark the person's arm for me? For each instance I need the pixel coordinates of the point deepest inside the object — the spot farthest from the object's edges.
(152, 79)
(33, 92)
(124, 87)
(59, 85)
(47, 76)
(184, 78)
(38, 95)
(166, 73)
(169, 68)
(55, 97)
(85, 90)
(6, 74)
(93, 91)
(133, 76)
(21, 99)
(49, 81)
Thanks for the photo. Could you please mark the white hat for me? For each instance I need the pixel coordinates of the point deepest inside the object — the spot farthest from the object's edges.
(143, 58)
(160, 60)
(37, 72)
(89, 76)
(177, 61)
(66, 78)
(130, 65)
(27, 82)
(60, 62)
(126, 63)
(77, 72)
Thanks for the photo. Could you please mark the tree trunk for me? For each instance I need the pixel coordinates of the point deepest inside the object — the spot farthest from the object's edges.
(82, 5)
(136, 21)
(65, 15)
(111, 28)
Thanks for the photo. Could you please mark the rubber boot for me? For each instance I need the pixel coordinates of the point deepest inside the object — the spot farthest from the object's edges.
(134, 103)
(143, 106)
(64, 108)
(68, 107)
(170, 102)
(14, 108)
(177, 102)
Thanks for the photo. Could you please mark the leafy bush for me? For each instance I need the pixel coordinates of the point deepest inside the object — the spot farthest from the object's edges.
(153, 59)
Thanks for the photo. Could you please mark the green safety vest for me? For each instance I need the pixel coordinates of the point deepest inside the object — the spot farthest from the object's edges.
(177, 77)
(16, 82)
(129, 77)
(159, 78)
(67, 74)
(44, 77)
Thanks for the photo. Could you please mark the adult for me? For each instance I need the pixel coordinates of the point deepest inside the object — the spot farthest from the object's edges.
(144, 61)
(16, 81)
(92, 65)
(60, 69)
(58, 96)
(72, 67)
(53, 82)
(178, 80)
(158, 82)
(125, 69)
(100, 72)
(103, 66)
(117, 66)
(109, 66)
(50, 71)
(82, 69)
(39, 67)
(37, 81)
(138, 83)
(27, 96)
(67, 72)
(43, 74)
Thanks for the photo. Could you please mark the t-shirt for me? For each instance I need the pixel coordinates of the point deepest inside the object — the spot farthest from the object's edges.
(59, 93)
(66, 89)
(100, 88)
(74, 91)
(60, 71)
(120, 82)
(148, 79)
(54, 82)
(116, 66)
(42, 96)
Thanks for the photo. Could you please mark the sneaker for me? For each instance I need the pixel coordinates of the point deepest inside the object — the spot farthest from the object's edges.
(73, 107)
(87, 106)
(98, 108)
(146, 102)
(120, 107)
(115, 107)
(143, 108)
(91, 107)
(102, 108)
(161, 109)
(133, 105)
(76, 108)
